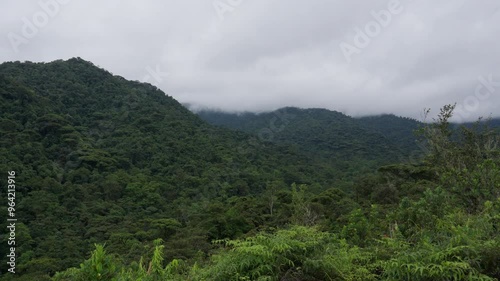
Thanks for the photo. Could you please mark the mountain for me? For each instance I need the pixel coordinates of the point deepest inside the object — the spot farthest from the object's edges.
(93, 161)
(99, 159)
(342, 140)
(400, 131)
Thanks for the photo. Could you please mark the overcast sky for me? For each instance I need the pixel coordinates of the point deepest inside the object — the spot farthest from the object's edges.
(357, 57)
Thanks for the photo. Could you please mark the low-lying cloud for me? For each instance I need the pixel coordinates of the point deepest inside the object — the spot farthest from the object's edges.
(358, 57)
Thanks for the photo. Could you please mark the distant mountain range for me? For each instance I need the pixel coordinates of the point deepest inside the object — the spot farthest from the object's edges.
(330, 135)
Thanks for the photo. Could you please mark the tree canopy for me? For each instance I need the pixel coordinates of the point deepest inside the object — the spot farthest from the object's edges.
(118, 181)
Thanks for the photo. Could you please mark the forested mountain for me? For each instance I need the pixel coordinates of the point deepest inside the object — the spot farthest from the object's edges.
(345, 141)
(101, 159)
(117, 181)
(400, 131)
(331, 135)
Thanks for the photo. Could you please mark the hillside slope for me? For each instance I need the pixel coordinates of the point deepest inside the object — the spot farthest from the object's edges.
(102, 159)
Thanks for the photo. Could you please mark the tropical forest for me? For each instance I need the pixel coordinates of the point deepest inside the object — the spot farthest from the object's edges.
(117, 181)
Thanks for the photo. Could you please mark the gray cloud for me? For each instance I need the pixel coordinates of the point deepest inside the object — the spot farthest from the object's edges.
(261, 55)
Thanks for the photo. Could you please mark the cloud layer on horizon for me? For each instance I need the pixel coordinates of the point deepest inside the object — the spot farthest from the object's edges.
(261, 55)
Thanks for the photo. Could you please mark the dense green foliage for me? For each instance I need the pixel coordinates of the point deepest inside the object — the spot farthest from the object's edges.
(101, 159)
(365, 142)
(117, 181)
(400, 131)
(353, 146)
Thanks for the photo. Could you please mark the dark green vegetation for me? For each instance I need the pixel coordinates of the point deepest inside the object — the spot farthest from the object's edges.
(353, 146)
(105, 161)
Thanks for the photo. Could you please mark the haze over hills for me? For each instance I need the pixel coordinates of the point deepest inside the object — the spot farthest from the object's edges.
(295, 193)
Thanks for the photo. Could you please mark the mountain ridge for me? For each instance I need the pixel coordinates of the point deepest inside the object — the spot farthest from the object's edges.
(322, 127)
(104, 160)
